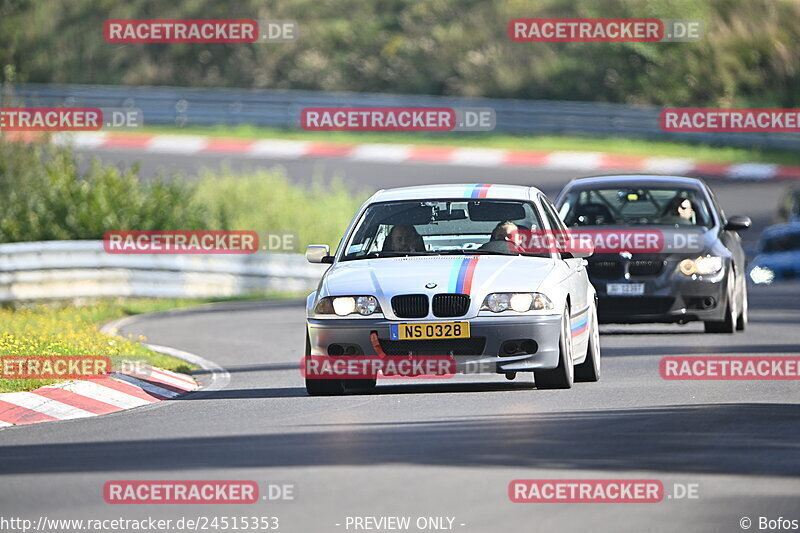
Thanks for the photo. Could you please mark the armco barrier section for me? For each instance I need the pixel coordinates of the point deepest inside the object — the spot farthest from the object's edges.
(55, 270)
(276, 108)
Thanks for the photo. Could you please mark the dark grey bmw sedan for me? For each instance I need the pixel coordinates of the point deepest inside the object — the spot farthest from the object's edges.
(664, 250)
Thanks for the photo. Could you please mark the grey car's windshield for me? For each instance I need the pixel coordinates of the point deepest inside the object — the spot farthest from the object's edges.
(440, 227)
(635, 206)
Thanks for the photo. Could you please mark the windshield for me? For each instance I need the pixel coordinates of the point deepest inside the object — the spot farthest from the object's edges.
(781, 243)
(438, 227)
(635, 206)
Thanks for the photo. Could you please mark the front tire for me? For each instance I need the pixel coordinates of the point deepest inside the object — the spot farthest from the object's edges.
(728, 324)
(741, 321)
(589, 370)
(563, 375)
(322, 387)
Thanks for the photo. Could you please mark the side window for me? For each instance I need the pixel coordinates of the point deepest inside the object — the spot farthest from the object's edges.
(717, 207)
(553, 220)
(556, 224)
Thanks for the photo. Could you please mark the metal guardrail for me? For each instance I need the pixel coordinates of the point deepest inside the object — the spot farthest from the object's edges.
(274, 108)
(55, 270)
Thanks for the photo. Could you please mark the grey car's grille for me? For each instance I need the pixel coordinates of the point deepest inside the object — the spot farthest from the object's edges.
(615, 269)
(606, 269)
(450, 305)
(645, 267)
(410, 306)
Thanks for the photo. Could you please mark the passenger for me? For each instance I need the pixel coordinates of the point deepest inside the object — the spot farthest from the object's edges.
(503, 239)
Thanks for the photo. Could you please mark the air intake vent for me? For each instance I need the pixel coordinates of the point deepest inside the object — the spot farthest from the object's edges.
(471, 346)
(450, 305)
(410, 305)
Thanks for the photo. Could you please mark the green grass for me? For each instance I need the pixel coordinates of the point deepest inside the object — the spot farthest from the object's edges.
(267, 200)
(635, 147)
(65, 329)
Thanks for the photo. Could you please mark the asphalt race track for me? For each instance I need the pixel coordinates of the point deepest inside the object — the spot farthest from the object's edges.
(446, 448)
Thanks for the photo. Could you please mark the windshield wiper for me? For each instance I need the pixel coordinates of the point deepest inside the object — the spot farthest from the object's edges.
(373, 255)
(471, 252)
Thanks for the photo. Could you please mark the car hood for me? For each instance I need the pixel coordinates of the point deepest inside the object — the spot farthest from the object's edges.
(475, 275)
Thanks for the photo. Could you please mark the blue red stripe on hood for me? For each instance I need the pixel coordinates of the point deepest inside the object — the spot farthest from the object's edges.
(462, 274)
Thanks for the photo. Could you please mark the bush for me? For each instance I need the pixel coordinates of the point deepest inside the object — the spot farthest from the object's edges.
(46, 197)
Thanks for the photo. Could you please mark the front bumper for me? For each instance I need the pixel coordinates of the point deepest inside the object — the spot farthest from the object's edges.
(664, 300)
(544, 330)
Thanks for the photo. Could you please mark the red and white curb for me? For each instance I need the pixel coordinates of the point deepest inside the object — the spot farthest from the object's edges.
(91, 397)
(112, 393)
(397, 153)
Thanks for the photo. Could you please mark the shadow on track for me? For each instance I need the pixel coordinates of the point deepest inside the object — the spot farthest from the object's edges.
(382, 390)
(740, 438)
(741, 349)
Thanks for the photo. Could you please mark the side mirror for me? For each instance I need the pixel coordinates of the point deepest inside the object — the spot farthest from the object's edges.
(319, 253)
(575, 254)
(738, 223)
(578, 246)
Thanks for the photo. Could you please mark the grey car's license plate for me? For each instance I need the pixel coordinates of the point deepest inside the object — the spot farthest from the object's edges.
(625, 289)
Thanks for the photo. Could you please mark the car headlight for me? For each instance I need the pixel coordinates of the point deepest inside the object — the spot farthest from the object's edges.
(348, 305)
(497, 302)
(703, 265)
(762, 275)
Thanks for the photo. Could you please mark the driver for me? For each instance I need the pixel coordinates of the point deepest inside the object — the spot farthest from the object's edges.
(403, 239)
(682, 209)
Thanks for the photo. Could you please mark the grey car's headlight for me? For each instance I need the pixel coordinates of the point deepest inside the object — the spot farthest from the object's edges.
(762, 275)
(703, 265)
(348, 305)
(497, 302)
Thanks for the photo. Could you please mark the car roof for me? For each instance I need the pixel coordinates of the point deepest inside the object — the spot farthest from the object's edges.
(635, 180)
(778, 229)
(457, 190)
